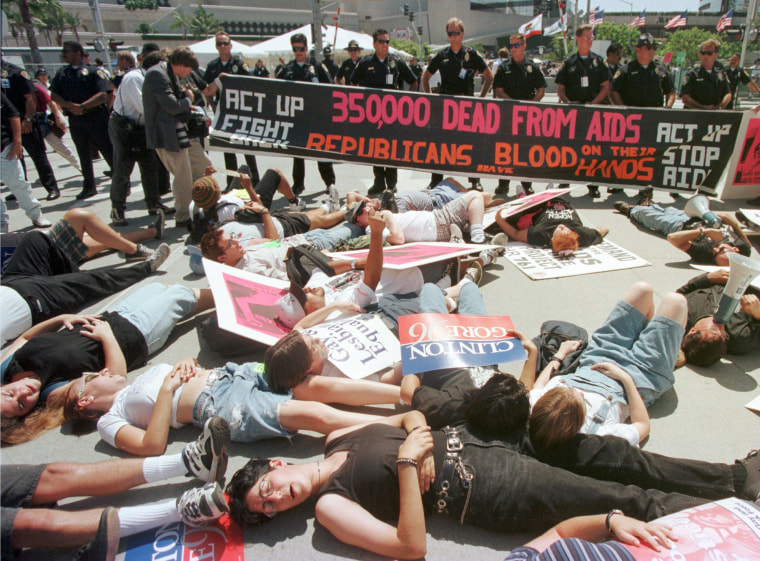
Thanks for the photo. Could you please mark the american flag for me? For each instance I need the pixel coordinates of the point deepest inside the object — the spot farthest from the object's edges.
(596, 17)
(677, 21)
(639, 21)
(725, 20)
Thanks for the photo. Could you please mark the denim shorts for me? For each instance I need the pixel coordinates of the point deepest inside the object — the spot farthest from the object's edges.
(18, 485)
(646, 349)
(240, 394)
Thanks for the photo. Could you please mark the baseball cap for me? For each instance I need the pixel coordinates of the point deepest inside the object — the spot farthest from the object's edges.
(290, 307)
(40, 71)
(646, 40)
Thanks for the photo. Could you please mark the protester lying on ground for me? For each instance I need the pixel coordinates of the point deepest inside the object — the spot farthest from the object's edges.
(554, 224)
(42, 278)
(137, 417)
(428, 226)
(45, 365)
(377, 482)
(352, 290)
(627, 365)
(263, 226)
(705, 341)
(28, 489)
(689, 234)
(268, 259)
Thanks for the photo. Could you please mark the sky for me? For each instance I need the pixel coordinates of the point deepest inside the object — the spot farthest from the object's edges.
(651, 6)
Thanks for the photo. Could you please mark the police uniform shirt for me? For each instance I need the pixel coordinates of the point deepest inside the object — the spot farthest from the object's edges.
(260, 71)
(707, 88)
(346, 69)
(235, 65)
(457, 70)
(16, 84)
(735, 77)
(643, 87)
(78, 84)
(371, 72)
(305, 72)
(575, 69)
(332, 68)
(519, 80)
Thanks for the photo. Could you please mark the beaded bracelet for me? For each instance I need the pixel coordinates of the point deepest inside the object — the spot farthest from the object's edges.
(408, 461)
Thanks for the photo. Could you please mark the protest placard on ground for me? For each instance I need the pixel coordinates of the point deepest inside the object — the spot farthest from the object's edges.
(517, 206)
(416, 254)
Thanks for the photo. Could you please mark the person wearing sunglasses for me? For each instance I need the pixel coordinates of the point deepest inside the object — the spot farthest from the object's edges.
(300, 69)
(518, 78)
(706, 85)
(385, 71)
(458, 65)
(228, 63)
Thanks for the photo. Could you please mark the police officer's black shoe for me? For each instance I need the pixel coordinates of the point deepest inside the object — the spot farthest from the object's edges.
(53, 194)
(376, 189)
(388, 201)
(10, 198)
(117, 217)
(86, 194)
(108, 173)
(593, 191)
(528, 189)
(476, 186)
(298, 189)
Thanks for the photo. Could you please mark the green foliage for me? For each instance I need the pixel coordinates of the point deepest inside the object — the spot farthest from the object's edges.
(144, 29)
(619, 33)
(203, 24)
(687, 40)
(181, 20)
(133, 5)
(408, 47)
(557, 45)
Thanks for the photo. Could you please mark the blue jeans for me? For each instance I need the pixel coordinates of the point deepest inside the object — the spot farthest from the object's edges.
(241, 394)
(328, 239)
(646, 349)
(155, 309)
(470, 300)
(664, 220)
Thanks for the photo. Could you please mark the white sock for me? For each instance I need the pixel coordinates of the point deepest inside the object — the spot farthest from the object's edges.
(444, 282)
(136, 519)
(485, 257)
(476, 233)
(158, 468)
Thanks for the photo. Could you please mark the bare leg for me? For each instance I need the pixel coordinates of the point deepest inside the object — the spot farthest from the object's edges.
(62, 480)
(205, 299)
(41, 527)
(475, 207)
(318, 417)
(284, 187)
(134, 236)
(83, 220)
(461, 188)
(641, 296)
(675, 307)
(326, 219)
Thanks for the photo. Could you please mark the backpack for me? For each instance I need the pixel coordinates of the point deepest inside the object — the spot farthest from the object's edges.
(302, 260)
(553, 334)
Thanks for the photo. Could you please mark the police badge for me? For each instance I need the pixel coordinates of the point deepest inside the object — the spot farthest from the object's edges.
(234, 67)
(25, 75)
(529, 69)
(84, 72)
(467, 56)
(393, 63)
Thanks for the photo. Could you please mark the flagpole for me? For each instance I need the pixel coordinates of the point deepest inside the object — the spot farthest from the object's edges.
(751, 12)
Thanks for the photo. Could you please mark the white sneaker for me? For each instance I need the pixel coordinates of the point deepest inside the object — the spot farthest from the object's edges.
(201, 505)
(160, 255)
(299, 205)
(456, 234)
(206, 458)
(333, 198)
(41, 222)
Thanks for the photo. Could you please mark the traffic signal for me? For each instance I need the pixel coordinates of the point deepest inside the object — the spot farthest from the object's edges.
(406, 10)
(562, 4)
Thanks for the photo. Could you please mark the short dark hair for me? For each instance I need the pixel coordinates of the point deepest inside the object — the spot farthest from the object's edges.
(615, 48)
(378, 33)
(183, 56)
(581, 28)
(703, 349)
(149, 47)
(210, 245)
(74, 46)
(500, 407)
(238, 487)
(299, 38)
(287, 362)
(152, 59)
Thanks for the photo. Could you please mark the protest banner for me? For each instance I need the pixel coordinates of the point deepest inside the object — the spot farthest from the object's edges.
(744, 167)
(358, 346)
(218, 541)
(518, 206)
(435, 341)
(725, 529)
(541, 263)
(416, 254)
(629, 147)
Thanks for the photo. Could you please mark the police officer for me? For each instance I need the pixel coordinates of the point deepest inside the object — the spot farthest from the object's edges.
(518, 78)
(737, 75)
(260, 71)
(19, 88)
(643, 83)
(706, 86)
(228, 64)
(414, 66)
(584, 78)
(83, 92)
(457, 65)
(383, 70)
(301, 70)
(343, 76)
(327, 60)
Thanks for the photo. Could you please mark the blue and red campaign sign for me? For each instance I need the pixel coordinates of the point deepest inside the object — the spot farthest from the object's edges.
(436, 341)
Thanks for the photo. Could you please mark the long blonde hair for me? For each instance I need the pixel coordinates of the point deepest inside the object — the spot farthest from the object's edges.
(44, 416)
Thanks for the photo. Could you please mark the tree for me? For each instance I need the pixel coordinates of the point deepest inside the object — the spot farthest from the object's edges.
(144, 29)
(688, 41)
(619, 33)
(28, 27)
(182, 21)
(204, 24)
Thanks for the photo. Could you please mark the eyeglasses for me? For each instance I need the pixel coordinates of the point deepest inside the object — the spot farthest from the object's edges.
(223, 44)
(265, 490)
(81, 386)
(453, 33)
(708, 53)
(515, 45)
(383, 41)
(299, 49)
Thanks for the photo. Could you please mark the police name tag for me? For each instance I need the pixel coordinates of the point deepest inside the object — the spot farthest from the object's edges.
(584, 81)
(463, 74)
(389, 79)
